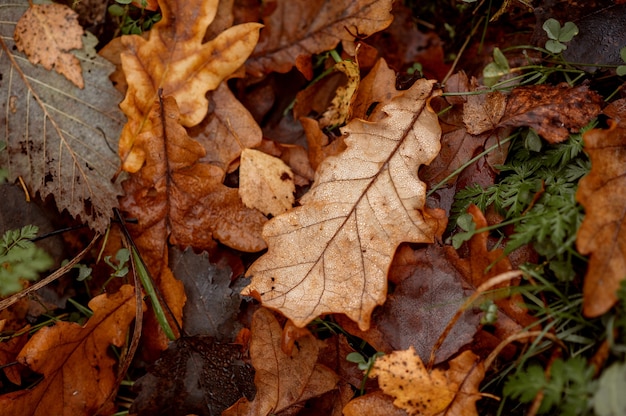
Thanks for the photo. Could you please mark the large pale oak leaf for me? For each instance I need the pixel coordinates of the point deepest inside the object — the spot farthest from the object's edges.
(175, 60)
(331, 255)
(79, 371)
(602, 234)
(305, 28)
(59, 137)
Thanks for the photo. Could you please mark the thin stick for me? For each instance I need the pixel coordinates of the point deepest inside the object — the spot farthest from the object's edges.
(54, 276)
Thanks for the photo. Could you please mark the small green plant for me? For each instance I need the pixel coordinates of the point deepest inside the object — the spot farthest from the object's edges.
(496, 69)
(621, 70)
(20, 259)
(558, 34)
(566, 391)
(364, 365)
(120, 266)
(537, 193)
(131, 19)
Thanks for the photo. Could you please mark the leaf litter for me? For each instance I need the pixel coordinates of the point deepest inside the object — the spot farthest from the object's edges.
(205, 173)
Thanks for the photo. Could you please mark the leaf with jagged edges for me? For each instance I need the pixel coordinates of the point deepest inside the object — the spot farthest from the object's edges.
(331, 254)
(60, 139)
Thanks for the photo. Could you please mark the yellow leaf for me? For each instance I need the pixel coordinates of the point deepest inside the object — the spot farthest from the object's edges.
(176, 60)
(331, 255)
(265, 183)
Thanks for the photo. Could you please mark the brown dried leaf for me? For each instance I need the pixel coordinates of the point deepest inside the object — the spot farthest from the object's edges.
(377, 88)
(46, 33)
(175, 60)
(79, 372)
(331, 255)
(373, 404)
(340, 107)
(402, 375)
(265, 183)
(553, 111)
(483, 112)
(282, 380)
(602, 234)
(298, 28)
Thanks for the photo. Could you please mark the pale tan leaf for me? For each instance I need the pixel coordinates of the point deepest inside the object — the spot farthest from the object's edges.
(265, 183)
(46, 33)
(331, 255)
(297, 28)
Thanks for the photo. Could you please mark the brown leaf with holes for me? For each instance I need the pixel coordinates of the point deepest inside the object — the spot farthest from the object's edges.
(47, 33)
(175, 60)
(602, 234)
(79, 371)
(363, 204)
(553, 111)
(282, 380)
(297, 28)
(454, 391)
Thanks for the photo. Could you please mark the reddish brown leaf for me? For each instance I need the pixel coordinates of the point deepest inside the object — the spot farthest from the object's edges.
(373, 404)
(309, 27)
(79, 372)
(46, 34)
(282, 380)
(364, 203)
(554, 112)
(602, 234)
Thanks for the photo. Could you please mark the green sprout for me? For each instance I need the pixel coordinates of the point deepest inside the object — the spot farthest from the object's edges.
(558, 35)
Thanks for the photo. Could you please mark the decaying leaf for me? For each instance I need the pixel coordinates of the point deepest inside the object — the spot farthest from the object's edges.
(194, 375)
(602, 234)
(298, 28)
(376, 403)
(212, 306)
(282, 380)
(265, 183)
(60, 137)
(78, 369)
(553, 111)
(46, 34)
(175, 60)
(402, 375)
(340, 108)
(363, 204)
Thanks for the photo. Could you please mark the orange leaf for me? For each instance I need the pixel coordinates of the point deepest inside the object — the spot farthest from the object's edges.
(602, 233)
(306, 28)
(46, 33)
(175, 60)
(373, 404)
(79, 372)
(331, 255)
(282, 380)
(402, 375)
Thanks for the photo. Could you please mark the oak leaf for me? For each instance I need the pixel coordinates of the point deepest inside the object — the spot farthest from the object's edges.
(282, 380)
(306, 28)
(331, 255)
(59, 137)
(79, 372)
(602, 234)
(175, 60)
(265, 183)
(553, 111)
(454, 391)
(46, 33)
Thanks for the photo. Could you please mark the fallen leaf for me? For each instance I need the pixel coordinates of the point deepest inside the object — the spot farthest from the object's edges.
(340, 108)
(60, 138)
(373, 404)
(175, 60)
(47, 33)
(282, 380)
(553, 111)
(482, 112)
(79, 372)
(402, 375)
(377, 88)
(195, 375)
(265, 183)
(320, 146)
(227, 129)
(602, 234)
(331, 255)
(307, 28)
(212, 306)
